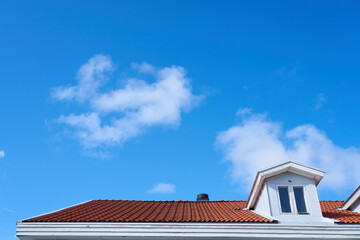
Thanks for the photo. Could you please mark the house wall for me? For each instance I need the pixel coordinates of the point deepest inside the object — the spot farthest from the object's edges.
(311, 198)
(183, 231)
(263, 204)
(356, 207)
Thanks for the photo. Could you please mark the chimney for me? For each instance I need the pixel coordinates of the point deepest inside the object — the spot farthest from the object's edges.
(202, 197)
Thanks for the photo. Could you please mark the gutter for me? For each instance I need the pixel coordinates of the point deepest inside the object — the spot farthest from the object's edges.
(92, 231)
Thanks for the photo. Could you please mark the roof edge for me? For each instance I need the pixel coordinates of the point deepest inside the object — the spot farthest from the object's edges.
(26, 219)
(186, 230)
(351, 200)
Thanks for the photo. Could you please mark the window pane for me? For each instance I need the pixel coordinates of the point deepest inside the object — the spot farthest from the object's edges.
(284, 199)
(299, 199)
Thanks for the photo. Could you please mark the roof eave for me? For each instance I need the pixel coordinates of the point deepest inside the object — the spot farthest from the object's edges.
(93, 231)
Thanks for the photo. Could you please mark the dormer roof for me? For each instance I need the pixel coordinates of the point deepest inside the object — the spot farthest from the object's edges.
(352, 200)
(289, 166)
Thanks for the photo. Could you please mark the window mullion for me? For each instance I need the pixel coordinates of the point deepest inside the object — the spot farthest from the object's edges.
(292, 200)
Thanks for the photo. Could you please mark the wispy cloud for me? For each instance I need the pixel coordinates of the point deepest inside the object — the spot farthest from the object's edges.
(2, 153)
(143, 67)
(244, 111)
(258, 142)
(120, 114)
(8, 210)
(162, 188)
(289, 70)
(91, 76)
(320, 100)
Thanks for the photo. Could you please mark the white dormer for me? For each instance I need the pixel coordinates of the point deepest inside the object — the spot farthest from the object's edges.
(287, 192)
(353, 202)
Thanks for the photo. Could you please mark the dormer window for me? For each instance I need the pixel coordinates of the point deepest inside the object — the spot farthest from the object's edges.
(284, 199)
(288, 193)
(292, 199)
(300, 199)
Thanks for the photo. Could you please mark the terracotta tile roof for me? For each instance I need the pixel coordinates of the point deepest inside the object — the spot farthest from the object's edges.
(154, 211)
(176, 211)
(330, 210)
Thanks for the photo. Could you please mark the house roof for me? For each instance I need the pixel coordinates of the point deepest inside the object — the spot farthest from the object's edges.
(331, 209)
(153, 211)
(175, 211)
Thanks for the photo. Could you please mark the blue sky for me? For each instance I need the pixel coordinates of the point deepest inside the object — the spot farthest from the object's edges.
(167, 99)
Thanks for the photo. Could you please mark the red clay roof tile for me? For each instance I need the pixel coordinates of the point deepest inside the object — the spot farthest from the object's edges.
(330, 210)
(175, 211)
(153, 211)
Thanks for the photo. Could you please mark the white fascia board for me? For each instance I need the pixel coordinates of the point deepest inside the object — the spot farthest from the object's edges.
(92, 231)
(290, 162)
(265, 215)
(293, 167)
(351, 200)
(255, 191)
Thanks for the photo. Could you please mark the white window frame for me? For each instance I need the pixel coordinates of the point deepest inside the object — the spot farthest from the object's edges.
(292, 199)
(279, 203)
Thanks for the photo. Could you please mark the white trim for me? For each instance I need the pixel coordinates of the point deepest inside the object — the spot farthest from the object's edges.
(306, 200)
(92, 231)
(265, 215)
(285, 163)
(290, 199)
(351, 200)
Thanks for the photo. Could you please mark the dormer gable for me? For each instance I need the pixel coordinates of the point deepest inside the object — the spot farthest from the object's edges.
(287, 192)
(353, 202)
(289, 166)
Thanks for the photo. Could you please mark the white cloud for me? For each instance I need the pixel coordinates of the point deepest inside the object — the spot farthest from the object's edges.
(289, 70)
(126, 112)
(244, 111)
(162, 188)
(320, 100)
(143, 67)
(91, 76)
(257, 143)
(8, 210)
(2, 153)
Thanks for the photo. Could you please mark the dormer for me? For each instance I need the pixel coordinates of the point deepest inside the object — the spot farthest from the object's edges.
(353, 202)
(287, 192)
